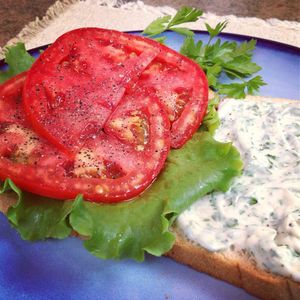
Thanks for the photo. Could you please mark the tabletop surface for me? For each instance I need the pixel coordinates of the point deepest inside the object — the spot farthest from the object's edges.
(14, 15)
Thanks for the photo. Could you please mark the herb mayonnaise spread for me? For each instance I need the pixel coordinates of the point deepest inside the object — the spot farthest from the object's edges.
(260, 214)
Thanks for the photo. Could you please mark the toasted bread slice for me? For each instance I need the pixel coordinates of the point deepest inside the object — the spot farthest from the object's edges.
(6, 201)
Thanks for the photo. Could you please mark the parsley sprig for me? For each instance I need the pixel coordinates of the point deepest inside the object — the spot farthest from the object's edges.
(184, 15)
(216, 57)
(229, 58)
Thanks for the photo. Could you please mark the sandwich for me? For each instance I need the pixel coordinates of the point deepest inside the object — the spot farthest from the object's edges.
(128, 187)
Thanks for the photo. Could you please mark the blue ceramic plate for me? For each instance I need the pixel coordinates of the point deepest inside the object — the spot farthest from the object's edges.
(65, 270)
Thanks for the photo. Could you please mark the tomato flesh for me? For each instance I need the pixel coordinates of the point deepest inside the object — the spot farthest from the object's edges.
(105, 169)
(182, 88)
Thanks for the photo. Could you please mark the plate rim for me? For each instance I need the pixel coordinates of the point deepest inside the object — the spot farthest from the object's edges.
(222, 34)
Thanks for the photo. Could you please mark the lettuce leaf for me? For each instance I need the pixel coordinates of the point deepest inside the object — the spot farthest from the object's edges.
(129, 229)
(202, 166)
(18, 60)
(36, 217)
(124, 230)
(211, 120)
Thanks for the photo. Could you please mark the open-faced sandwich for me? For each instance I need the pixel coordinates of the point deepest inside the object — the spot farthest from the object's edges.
(111, 136)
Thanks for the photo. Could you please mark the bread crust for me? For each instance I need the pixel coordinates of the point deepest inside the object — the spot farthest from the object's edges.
(7, 200)
(271, 99)
(234, 269)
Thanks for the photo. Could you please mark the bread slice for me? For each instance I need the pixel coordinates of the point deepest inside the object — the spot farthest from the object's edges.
(233, 267)
(6, 201)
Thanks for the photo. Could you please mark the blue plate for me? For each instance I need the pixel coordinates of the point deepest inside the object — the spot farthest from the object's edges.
(65, 270)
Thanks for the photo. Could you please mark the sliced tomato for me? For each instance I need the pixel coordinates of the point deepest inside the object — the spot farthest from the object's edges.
(110, 167)
(182, 88)
(76, 83)
(11, 111)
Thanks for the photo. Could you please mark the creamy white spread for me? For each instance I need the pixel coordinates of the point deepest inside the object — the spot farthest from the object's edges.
(260, 214)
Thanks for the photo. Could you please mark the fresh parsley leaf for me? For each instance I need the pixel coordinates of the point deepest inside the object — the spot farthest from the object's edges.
(157, 26)
(229, 58)
(254, 84)
(184, 15)
(213, 32)
(234, 90)
(18, 60)
(160, 39)
(183, 31)
(245, 49)
(217, 53)
(241, 67)
(239, 90)
(212, 74)
(191, 49)
(218, 58)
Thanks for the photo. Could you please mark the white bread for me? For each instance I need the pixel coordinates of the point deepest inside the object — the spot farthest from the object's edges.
(233, 267)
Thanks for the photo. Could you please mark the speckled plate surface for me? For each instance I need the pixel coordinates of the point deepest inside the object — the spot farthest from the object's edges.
(65, 270)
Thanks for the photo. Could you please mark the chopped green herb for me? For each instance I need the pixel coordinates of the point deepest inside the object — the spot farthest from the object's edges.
(252, 201)
(271, 156)
(232, 223)
(296, 254)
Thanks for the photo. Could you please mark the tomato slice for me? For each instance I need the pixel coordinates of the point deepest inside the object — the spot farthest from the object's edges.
(11, 111)
(76, 83)
(110, 167)
(182, 88)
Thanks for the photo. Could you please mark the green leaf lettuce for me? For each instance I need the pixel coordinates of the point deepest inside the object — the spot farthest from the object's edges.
(18, 59)
(129, 229)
